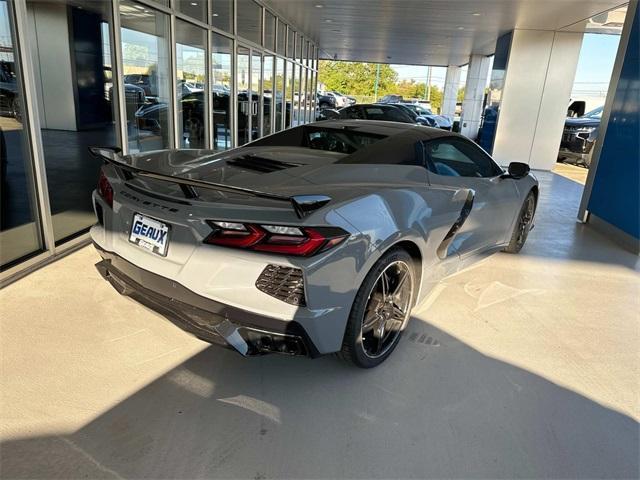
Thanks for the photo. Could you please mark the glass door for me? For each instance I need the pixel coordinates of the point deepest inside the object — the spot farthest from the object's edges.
(256, 95)
(243, 76)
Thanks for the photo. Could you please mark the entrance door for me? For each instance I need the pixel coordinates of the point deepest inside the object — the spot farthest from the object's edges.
(243, 76)
(256, 95)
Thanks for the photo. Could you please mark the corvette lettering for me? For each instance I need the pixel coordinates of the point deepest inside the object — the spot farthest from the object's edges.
(148, 203)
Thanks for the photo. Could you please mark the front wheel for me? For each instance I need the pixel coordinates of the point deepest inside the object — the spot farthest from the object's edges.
(380, 311)
(523, 225)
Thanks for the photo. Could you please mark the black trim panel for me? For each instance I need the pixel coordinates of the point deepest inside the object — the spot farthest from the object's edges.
(192, 312)
(464, 214)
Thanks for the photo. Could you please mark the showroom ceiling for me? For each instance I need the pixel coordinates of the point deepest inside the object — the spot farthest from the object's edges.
(429, 32)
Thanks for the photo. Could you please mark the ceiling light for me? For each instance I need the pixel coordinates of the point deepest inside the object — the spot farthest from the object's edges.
(475, 14)
(328, 20)
(214, 14)
(319, 6)
(195, 4)
(460, 28)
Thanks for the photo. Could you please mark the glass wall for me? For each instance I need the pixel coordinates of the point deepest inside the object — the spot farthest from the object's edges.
(191, 45)
(168, 82)
(74, 97)
(244, 93)
(256, 95)
(221, 79)
(146, 67)
(249, 21)
(20, 234)
(268, 94)
(279, 93)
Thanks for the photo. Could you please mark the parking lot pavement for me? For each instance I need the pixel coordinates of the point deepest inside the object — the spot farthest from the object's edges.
(524, 366)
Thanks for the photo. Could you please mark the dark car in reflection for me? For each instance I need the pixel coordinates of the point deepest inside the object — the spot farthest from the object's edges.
(153, 117)
(579, 137)
(9, 100)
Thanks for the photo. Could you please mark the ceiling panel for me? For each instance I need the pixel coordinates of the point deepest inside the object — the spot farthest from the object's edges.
(427, 32)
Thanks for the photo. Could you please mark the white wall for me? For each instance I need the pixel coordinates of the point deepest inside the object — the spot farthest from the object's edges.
(450, 93)
(477, 75)
(49, 46)
(538, 83)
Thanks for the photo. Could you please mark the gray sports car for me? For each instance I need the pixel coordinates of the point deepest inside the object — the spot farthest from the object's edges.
(314, 240)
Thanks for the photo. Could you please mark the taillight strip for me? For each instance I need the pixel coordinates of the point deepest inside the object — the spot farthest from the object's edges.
(256, 237)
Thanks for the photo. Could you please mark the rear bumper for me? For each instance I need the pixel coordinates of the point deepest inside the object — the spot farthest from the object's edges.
(214, 322)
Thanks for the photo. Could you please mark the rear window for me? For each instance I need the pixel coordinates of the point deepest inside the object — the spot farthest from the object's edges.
(342, 140)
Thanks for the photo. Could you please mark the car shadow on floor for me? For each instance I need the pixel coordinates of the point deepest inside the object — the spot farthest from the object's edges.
(436, 408)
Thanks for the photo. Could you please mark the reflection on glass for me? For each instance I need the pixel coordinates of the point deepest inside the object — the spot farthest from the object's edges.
(282, 38)
(268, 95)
(302, 98)
(279, 92)
(146, 67)
(242, 76)
(249, 20)
(288, 94)
(256, 66)
(269, 30)
(194, 8)
(190, 64)
(291, 43)
(296, 96)
(75, 101)
(222, 15)
(221, 91)
(19, 232)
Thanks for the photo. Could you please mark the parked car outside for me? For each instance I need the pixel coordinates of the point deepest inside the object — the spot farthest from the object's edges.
(439, 121)
(579, 137)
(314, 240)
(391, 99)
(375, 111)
(326, 101)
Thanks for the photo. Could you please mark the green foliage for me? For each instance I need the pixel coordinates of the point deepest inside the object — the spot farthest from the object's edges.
(356, 78)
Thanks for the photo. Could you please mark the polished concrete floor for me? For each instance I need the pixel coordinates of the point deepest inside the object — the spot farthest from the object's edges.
(525, 366)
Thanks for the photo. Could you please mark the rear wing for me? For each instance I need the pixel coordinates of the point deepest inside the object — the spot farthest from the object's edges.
(303, 205)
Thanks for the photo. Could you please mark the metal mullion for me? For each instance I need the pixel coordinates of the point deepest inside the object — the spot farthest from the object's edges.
(272, 108)
(173, 84)
(188, 19)
(208, 87)
(155, 6)
(261, 98)
(118, 78)
(234, 84)
(43, 214)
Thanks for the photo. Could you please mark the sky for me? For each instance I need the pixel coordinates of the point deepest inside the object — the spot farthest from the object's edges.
(595, 65)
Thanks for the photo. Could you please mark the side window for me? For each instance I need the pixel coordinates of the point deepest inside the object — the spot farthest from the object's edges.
(395, 114)
(456, 157)
(351, 113)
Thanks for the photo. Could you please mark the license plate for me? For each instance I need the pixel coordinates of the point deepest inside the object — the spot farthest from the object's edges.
(150, 234)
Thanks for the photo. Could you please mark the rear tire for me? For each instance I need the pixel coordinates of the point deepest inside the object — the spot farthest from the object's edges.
(380, 310)
(523, 224)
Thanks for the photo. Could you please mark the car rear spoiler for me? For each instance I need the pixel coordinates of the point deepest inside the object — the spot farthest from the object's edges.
(303, 205)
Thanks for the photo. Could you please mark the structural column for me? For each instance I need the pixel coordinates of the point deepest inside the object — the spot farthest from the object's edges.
(537, 89)
(450, 95)
(477, 74)
(611, 198)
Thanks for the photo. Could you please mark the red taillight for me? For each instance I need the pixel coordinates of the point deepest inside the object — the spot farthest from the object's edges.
(298, 241)
(105, 190)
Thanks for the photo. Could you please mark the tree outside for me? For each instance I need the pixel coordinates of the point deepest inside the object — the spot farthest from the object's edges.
(358, 80)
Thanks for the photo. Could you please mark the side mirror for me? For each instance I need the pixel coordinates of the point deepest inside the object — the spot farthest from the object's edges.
(517, 170)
